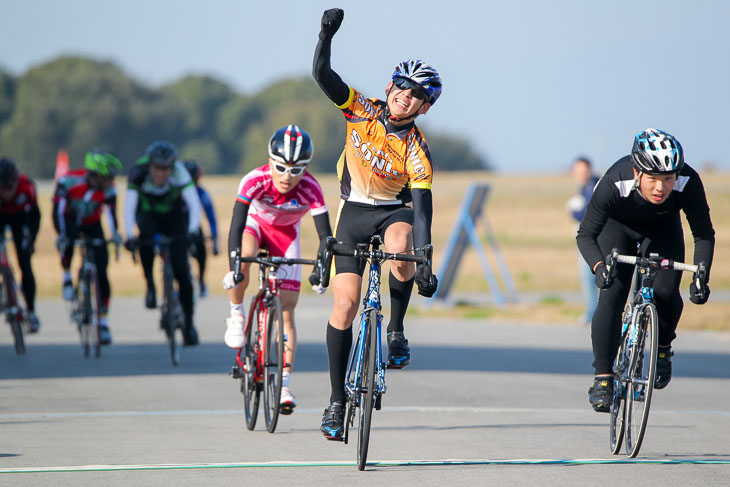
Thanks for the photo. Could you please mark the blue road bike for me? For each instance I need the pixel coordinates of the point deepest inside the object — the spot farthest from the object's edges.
(635, 365)
(365, 378)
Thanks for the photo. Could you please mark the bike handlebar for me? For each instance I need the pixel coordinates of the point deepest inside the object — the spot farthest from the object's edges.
(661, 262)
(333, 247)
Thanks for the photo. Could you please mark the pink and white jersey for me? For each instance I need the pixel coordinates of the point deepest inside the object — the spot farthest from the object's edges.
(270, 207)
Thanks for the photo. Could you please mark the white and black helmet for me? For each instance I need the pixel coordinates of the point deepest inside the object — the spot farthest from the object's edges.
(291, 145)
(657, 152)
(423, 75)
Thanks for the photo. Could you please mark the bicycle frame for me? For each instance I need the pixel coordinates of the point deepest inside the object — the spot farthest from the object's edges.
(371, 302)
(269, 286)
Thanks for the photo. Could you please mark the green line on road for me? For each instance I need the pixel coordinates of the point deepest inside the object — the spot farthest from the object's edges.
(395, 463)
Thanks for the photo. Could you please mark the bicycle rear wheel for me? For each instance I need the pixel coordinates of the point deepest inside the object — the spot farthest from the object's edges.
(642, 373)
(13, 312)
(250, 388)
(273, 363)
(367, 392)
(620, 369)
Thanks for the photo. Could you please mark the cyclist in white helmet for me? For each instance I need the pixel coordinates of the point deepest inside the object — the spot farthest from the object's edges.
(638, 201)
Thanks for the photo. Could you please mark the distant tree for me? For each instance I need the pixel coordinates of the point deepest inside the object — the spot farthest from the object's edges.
(452, 153)
(7, 96)
(77, 104)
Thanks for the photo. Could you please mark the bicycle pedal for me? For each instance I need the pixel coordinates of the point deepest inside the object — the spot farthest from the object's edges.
(378, 402)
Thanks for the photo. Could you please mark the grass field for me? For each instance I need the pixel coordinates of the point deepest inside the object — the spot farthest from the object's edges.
(526, 213)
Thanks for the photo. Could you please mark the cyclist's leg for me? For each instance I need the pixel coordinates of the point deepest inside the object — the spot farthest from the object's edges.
(234, 336)
(26, 270)
(72, 232)
(398, 237)
(667, 242)
(606, 323)
(181, 271)
(147, 225)
(200, 256)
(101, 260)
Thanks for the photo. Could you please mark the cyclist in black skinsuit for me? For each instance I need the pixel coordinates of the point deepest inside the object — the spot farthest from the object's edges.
(640, 198)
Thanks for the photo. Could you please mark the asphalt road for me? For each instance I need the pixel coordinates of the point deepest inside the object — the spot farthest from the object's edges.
(481, 403)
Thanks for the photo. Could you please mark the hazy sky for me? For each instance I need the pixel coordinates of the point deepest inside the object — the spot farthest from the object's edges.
(530, 83)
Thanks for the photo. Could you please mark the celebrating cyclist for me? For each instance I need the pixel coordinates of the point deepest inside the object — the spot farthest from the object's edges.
(78, 202)
(640, 198)
(386, 163)
(19, 210)
(271, 202)
(158, 191)
(199, 251)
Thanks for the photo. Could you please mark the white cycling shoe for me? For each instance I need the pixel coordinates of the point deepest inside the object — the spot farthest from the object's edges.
(288, 402)
(234, 336)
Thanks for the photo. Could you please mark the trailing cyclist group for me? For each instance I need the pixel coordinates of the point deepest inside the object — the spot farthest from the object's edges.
(385, 175)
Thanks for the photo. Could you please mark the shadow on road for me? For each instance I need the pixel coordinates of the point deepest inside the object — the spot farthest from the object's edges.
(49, 361)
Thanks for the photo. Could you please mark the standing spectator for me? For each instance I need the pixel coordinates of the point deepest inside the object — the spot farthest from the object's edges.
(583, 174)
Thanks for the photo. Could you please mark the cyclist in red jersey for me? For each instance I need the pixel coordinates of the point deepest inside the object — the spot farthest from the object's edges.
(80, 198)
(19, 210)
(386, 164)
(270, 204)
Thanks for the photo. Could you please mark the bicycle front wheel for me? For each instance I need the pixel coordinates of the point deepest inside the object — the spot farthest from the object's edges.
(273, 363)
(94, 309)
(641, 376)
(368, 371)
(250, 388)
(170, 310)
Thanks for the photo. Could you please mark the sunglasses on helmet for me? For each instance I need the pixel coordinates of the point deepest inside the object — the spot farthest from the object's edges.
(417, 90)
(283, 168)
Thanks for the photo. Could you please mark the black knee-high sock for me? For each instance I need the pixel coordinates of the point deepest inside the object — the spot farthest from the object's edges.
(400, 295)
(339, 343)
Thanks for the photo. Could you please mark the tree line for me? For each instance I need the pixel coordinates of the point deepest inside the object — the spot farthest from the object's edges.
(75, 103)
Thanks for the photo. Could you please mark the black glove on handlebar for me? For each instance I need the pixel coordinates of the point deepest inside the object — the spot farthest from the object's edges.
(699, 290)
(426, 281)
(331, 21)
(603, 277)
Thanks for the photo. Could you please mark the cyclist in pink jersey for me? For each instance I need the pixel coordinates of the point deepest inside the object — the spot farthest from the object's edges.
(270, 204)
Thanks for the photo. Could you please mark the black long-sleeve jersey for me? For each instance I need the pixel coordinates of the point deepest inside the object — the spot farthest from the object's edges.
(616, 197)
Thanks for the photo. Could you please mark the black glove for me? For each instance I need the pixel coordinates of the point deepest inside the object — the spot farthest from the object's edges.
(130, 244)
(426, 281)
(604, 277)
(331, 21)
(699, 290)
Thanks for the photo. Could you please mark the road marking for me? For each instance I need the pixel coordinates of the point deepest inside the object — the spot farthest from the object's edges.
(378, 463)
(394, 409)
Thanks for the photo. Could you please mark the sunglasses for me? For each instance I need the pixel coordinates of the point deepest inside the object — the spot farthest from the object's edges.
(417, 90)
(161, 168)
(293, 170)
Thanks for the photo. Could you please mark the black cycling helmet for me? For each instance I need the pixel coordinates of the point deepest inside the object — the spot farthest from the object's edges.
(162, 153)
(8, 172)
(291, 145)
(657, 152)
(194, 170)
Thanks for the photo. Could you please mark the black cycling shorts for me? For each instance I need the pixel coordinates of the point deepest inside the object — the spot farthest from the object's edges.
(358, 222)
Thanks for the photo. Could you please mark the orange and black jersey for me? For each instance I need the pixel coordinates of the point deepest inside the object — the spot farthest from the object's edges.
(381, 162)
